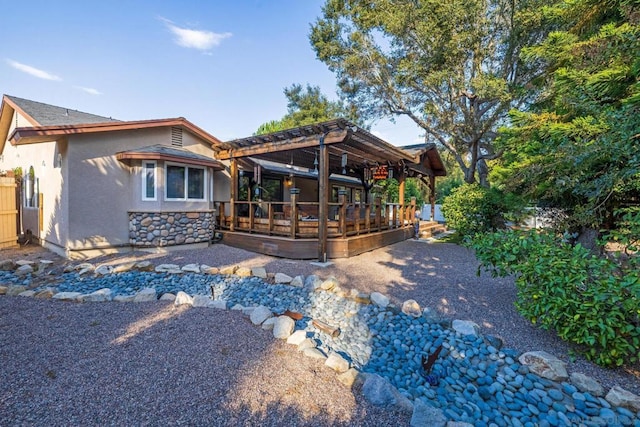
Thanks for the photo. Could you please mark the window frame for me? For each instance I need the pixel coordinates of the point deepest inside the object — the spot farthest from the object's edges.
(144, 180)
(186, 182)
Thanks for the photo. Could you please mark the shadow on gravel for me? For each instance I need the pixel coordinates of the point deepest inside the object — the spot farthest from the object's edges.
(154, 364)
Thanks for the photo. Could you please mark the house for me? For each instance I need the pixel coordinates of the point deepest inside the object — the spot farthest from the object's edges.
(92, 184)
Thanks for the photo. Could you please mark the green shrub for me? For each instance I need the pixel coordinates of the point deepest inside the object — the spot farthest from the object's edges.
(588, 300)
(471, 209)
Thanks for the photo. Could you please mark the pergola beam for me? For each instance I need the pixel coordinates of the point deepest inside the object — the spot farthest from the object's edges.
(333, 137)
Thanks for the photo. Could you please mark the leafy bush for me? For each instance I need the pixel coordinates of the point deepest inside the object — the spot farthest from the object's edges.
(627, 231)
(588, 300)
(474, 209)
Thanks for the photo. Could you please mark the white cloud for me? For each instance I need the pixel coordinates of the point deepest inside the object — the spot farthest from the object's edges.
(41, 74)
(195, 39)
(89, 90)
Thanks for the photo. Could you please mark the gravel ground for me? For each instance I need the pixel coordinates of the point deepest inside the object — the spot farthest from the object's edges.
(438, 275)
(155, 364)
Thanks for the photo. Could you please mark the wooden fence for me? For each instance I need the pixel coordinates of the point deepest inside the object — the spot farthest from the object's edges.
(8, 213)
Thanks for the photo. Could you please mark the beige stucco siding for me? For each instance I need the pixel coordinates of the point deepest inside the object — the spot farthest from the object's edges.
(50, 175)
(103, 189)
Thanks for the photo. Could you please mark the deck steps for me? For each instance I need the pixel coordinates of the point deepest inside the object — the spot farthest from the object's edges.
(431, 228)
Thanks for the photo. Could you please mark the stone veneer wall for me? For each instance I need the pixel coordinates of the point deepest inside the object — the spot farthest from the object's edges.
(169, 228)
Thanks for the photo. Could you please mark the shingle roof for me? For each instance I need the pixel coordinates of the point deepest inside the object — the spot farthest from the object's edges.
(169, 151)
(164, 152)
(50, 115)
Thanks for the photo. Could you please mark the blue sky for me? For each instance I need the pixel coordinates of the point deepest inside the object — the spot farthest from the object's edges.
(221, 64)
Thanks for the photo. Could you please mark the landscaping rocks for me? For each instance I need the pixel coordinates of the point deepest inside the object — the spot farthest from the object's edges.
(183, 298)
(297, 338)
(544, 364)
(145, 295)
(337, 363)
(259, 272)
(465, 327)
(329, 284)
(15, 290)
(23, 270)
(67, 296)
(283, 327)
(618, 396)
(201, 301)
(167, 296)
(586, 384)
(260, 314)
(191, 268)
(425, 415)
(282, 278)
(297, 281)
(349, 377)
(474, 380)
(243, 272)
(378, 391)
(168, 268)
(380, 300)
(101, 295)
(411, 308)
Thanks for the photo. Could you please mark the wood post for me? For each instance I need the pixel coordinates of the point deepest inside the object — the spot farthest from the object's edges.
(233, 169)
(367, 217)
(270, 217)
(401, 188)
(294, 211)
(323, 199)
(378, 213)
(356, 218)
(342, 199)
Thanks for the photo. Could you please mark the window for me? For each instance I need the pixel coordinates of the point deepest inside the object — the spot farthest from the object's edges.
(184, 183)
(149, 180)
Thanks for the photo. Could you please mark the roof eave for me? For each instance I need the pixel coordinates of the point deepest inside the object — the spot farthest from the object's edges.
(39, 134)
(127, 156)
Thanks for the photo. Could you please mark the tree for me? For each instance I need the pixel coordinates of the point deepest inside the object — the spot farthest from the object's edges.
(453, 67)
(306, 106)
(577, 147)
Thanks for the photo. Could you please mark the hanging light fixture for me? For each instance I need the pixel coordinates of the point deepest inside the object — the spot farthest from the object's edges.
(344, 163)
(315, 164)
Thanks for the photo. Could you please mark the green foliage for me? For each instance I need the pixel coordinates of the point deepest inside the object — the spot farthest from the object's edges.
(306, 106)
(575, 147)
(452, 67)
(445, 186)
(472, 209)
(388, 190)
(588, 300)
(627, 231)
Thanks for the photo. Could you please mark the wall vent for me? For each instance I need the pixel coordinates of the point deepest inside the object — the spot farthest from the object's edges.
(176, 137)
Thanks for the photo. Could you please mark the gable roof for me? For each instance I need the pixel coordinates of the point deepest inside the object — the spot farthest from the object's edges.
(41, 114)
(51, 123)
(429, 157)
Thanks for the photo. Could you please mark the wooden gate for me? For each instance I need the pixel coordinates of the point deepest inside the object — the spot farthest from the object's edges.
(8, 213)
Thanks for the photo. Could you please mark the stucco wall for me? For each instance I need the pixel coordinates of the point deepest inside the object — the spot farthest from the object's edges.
(51, 176)
(104, 190)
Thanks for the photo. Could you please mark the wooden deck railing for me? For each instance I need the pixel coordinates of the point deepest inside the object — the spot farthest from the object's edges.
(299, 220)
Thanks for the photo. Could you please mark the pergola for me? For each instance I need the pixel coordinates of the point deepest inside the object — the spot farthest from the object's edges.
(333, 147)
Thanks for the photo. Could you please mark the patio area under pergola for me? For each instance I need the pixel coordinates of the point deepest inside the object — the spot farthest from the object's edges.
(305, 192)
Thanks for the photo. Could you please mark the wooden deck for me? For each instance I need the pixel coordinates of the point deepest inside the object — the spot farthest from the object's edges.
(301, 248)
